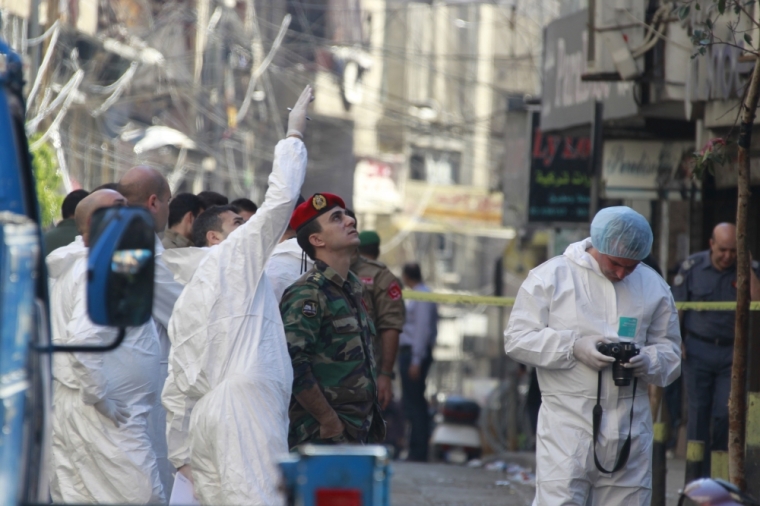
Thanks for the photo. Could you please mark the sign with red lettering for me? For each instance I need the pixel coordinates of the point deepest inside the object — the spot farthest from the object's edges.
(560, 180)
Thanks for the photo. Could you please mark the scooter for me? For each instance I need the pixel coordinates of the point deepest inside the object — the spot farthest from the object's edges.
(456, 437)
(715, 492)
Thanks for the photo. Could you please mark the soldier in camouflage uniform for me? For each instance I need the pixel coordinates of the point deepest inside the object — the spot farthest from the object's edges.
(329, 333)
(386, 308)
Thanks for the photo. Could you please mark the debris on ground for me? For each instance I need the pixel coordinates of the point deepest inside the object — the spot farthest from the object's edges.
(523, 477)
(496, 465)
(516, 473)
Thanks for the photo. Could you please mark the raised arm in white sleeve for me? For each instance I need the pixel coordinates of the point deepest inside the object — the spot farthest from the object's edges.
(252, 243)
(528, 338)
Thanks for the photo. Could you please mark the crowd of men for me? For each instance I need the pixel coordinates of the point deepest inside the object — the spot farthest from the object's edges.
(272, 327)
(276, 326)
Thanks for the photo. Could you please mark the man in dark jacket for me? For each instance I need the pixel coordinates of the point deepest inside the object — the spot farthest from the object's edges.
(66, 231)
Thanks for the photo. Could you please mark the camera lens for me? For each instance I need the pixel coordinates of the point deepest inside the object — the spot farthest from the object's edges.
(621, 375)
(615, 349)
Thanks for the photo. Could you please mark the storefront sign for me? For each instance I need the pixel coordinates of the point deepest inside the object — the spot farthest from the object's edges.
(637, 169)
(719, 74)
(376, 185)
(726, 176)
(560, 183)
(567, 100)
(453, 204)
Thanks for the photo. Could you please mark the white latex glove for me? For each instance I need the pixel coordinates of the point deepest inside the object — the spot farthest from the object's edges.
(584, 350)
(116, 411)
(297, 117)
(639, 364)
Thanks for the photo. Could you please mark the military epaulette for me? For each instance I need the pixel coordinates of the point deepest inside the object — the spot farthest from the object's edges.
(316, 277)
(376, 263)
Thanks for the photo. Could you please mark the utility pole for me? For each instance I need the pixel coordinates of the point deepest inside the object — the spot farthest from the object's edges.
(34, 32)
(201, 26)
(508, 371)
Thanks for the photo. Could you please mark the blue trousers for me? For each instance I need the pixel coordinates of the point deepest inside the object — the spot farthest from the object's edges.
(415, 405)
(708, 384)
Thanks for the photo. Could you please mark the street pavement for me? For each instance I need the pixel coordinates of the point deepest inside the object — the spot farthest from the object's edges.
(675, 480)
(415, 484)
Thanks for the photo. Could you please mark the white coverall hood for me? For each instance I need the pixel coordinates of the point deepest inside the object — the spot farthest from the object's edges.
(285, 266)
(562, 300)
(61, 259)
(93, 461)
(59, 265)
(578, 253)
(230, 375)
(183, 262)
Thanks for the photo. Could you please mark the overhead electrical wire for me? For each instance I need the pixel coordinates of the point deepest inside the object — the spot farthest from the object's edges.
(401, 103)
(43, 66)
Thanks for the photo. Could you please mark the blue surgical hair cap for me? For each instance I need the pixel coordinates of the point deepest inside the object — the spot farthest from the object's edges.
(621, 232)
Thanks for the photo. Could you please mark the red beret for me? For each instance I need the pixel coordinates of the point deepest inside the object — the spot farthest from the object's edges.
(317, 205)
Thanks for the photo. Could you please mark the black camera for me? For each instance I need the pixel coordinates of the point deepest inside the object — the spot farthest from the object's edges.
(622, 353)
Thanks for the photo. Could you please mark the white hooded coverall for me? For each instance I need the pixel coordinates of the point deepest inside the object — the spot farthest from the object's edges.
(562, 300)
(166, 291)
(92, 460)
(284, 267)
(230, 375)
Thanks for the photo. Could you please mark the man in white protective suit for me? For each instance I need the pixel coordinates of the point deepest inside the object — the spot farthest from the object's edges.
(596, 292)
(101, 446)
(146, 187)
(288, 261)
(230, 375)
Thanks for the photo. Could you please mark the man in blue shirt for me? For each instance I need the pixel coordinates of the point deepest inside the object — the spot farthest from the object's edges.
(415, 356)
(710, 276)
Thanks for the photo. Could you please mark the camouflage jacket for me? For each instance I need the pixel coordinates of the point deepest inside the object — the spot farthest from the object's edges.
(329, 335)
(384, 300)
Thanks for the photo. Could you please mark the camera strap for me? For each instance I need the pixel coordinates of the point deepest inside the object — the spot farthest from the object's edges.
(626, 449)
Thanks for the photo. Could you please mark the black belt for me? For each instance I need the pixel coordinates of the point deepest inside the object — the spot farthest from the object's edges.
(716, 341)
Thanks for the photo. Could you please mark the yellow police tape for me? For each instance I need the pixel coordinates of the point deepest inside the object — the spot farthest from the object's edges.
(462, 298)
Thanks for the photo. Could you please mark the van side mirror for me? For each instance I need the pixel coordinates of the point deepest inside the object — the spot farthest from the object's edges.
(120, 268)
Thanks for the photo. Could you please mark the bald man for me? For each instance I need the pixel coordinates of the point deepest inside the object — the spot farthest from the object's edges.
(101, 449)
(710, 276)
(146, 187)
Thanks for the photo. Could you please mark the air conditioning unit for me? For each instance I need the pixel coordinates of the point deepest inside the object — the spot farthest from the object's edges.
(20, 8)
(618, 39)
(86, 17)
